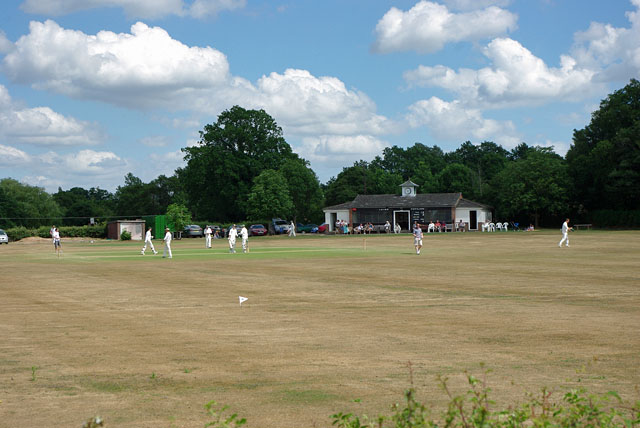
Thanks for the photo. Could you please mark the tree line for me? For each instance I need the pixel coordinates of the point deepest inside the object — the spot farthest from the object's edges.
(242, 168)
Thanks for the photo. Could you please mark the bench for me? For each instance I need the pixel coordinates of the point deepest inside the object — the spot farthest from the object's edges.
(587, 226)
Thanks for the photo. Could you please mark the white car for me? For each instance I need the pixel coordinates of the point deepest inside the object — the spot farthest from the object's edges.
(4, 239)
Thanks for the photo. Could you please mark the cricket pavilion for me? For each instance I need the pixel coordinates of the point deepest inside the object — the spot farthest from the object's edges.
(409, 207)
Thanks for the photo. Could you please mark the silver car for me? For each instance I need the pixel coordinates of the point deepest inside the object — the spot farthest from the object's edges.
(4, 239)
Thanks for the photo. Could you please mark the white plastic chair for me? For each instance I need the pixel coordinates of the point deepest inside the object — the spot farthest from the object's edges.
(499, 226)
(492, 227)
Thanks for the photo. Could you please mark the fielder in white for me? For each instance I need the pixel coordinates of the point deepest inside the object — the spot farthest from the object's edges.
(565, 233)
(207, 237)
(167, 244)
(233, 234)
(147, 241)
(244, 234)
(417, 237)
(292, 229)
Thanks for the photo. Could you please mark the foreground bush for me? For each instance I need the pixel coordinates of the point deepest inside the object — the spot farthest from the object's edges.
(474, 409)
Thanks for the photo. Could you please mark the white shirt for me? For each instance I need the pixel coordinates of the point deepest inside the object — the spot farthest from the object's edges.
(233, 233)
(167, 237)
(147, 236)
(244, 233)
(565, 227)
(56, 235)
(207, 231)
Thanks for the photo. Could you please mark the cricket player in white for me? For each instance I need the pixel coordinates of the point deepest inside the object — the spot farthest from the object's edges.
(244, 234)
(207, 237)
(292, 229)
(147, 241)
(167, 244)
(565, 233)
(233, 234)
(417, 237)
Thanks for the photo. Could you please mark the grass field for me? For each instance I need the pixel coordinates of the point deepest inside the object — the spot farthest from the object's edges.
(145, 342)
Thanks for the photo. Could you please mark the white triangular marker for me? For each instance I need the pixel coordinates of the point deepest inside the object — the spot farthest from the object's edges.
(242, 299)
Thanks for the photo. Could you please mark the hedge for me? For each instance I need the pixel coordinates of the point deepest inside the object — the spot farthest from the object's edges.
(21, 232)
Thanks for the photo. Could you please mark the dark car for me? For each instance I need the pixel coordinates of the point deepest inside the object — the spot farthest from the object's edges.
(308, 228)
(193, 231)
(257, 230)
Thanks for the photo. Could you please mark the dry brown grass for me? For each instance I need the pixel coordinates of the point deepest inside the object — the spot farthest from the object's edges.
(146, 342)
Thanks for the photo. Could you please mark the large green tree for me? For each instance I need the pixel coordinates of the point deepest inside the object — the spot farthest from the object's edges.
(133, 198)
(604, 159)
(484, 161)
(361, 178)
(78, 204)
(533, 187)
(25, 205)
(231, 152)
(269, 196)
(304, 190)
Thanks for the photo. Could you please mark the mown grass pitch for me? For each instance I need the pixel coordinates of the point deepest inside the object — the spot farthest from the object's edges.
(145, 342)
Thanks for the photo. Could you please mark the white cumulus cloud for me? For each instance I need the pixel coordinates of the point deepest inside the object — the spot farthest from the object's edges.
(5, 44)
(306, 104)
(452, 121)
(143, 69)
(614, 51)
(10, 156)
(336, 149)
(428, 26)
(146, 9)
(43, 126)
(516, 76)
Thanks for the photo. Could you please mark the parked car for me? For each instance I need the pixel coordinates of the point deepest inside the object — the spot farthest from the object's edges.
(323, 228)
(193, 231)
(4, 239)
(279, 226)
(308, 228)
(257, 230)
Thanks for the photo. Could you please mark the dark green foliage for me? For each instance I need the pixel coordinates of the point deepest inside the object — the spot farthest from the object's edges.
(361, 178)
(98, 231)
(534, 186)
(269, 196)
(79, 205)
(178, 216)
(125, 235)
(304, 190)
(18, 233)
(627, 219)
(604, 160)
(25, 205)
(230, 154)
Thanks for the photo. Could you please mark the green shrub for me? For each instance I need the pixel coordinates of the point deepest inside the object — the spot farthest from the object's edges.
(474, 409)
(20, 232)
(125, 236)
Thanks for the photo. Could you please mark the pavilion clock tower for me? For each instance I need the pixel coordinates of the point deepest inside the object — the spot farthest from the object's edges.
(409, 188)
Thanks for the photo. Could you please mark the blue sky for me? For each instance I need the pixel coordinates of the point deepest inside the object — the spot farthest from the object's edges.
(93, 89)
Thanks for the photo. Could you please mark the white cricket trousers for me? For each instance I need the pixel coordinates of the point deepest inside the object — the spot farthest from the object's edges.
(167, 249)
(148, 242)
(207, 241)
(565, 237)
